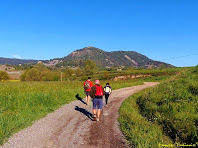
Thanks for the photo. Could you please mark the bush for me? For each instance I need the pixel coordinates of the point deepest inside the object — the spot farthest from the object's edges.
(195, 70)
(3, 75)
(31, 75)
(90, 67)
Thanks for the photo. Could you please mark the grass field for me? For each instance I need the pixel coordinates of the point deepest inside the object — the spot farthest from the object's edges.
(170, 108)
(138, 131)
(23, 102)
(106, 75)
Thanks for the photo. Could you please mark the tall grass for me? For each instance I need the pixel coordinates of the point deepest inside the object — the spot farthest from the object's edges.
(138, 131)
(23, 102)
(174, 106)
(171, 107)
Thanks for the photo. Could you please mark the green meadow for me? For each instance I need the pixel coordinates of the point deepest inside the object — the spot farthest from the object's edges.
(107, 75)
(21, 103)
(139, 132)
(166, 115)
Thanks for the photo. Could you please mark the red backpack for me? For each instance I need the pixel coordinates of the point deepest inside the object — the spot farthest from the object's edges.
(99, 90)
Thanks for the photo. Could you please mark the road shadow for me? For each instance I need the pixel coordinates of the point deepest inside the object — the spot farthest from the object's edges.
(84, 111)
(80, 99)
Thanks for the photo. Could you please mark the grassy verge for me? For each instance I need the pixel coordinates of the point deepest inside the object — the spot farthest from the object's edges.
(138, 131)
(173, 105)
(23, 102)
(169, 109)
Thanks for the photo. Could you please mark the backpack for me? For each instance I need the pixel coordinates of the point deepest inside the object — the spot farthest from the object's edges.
(107, 90)
(99, 90)
(87, 85)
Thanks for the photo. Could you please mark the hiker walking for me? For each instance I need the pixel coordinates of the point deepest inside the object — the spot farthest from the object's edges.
(87, 87)
(97, 92)
(107, 90)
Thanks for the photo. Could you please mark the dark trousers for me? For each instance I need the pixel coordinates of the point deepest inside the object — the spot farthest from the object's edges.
(106, 98)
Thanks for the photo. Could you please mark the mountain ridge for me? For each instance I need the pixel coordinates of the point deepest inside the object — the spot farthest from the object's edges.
(14, 61)
(109, 59)
(101, 57)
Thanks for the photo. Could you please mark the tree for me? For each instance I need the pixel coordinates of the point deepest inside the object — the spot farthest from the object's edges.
(79, 72)
(68, 73)
(46, 75)
(40, 67)
(90, 67)
(4, 75)
(38, 73)
(162, 66)
(31, 75)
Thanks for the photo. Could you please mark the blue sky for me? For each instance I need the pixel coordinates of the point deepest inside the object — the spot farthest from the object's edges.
(164, 30)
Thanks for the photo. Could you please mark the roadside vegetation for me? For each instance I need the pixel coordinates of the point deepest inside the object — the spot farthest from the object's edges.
(23, 102)
(139, 132)
(170, 108)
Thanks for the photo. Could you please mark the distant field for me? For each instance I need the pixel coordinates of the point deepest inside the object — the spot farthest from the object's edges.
(106, 75)
(15, 75)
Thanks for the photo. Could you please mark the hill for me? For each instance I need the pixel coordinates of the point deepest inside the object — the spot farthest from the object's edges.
(109, 59)
(10, 61)
(102, 59)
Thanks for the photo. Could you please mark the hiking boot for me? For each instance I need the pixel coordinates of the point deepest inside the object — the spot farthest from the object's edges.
(94, 117)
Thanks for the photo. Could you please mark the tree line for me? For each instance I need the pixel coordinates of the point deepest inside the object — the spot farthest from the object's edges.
(40, 72)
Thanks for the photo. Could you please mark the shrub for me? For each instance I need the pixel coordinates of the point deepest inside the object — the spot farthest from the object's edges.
(31, 75)
(40, 73)
(195, 70)
(3, 75)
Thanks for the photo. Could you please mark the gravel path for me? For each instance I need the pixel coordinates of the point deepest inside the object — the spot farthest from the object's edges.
(71, 126)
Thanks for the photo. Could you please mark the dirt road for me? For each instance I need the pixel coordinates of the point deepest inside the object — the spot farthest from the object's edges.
(71, 126)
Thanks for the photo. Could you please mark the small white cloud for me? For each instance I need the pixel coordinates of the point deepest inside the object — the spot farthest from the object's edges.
(16, 56)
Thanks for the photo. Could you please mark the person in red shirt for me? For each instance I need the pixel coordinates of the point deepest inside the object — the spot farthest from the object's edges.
(97, 92)
(87, 87)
